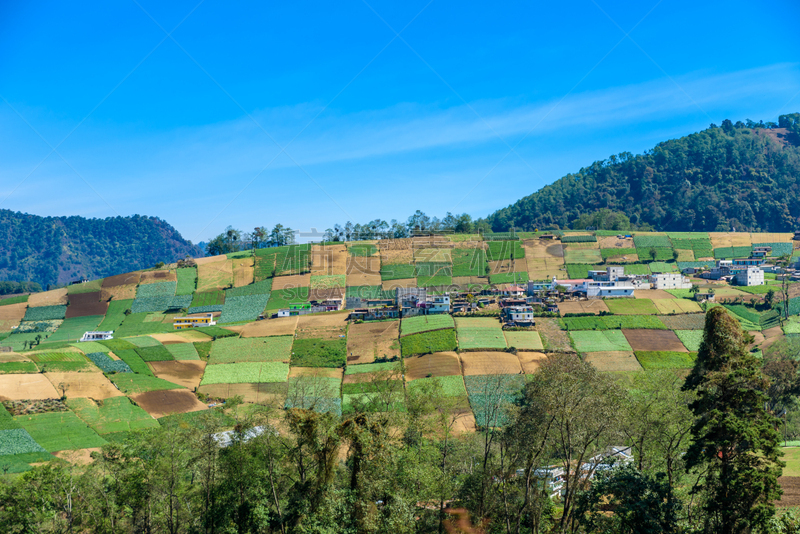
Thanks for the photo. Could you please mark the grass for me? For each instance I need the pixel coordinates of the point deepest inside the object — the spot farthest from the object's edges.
(281, 298)
(631, 306)
(611, 322)
(246, 373)
(187, 281)
(203, 349)
(397, 271)
(523, 340)
(427, 342)
(425, 323)
(606, 253)
(61, 362)
(469, 262)
(113, 344)
(7, 368)
(256, 349)
(19, 463)
(481, 338)
(599, 341)
(158, 353)
(509, 278)
(503, 250)
(132, 383)
(116, 414)
(328, 281)
(144, 341)
(115, 315)
(581, 270)
(208, 298)
(183, 351)
(452, 386)
(216, 332)
(14, 300)
(637, 268)
(315, 352)
(362, 250)
(434, 281)
(73, 329)
(661, 267)
(59, 431)
(666, 360)
(582, 255)
(691, 339)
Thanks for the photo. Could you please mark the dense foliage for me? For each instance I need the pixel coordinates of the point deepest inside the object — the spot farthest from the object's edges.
(733, 176)
(58, 250)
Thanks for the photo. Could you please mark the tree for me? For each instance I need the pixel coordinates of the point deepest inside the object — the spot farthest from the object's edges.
(734, 442)
(694, 289)
(769, 298)
(653, 253)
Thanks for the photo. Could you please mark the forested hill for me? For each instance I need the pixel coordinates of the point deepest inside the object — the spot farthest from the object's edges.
(57, 250)
(722, 177)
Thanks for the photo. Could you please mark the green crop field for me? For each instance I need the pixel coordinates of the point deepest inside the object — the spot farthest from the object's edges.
(187, 281)
(59, 431)
(208, 298)
(136, 324)
(524, 340)
(281, 298)
(452, 386)
(14, 300)
(607, 253)
(372, 368)
(691, 339)
(115, 314)
(503, 250)
(362, 250)
(579, 271)
(509, 278)
(425, 323)
(397, 271)
(9, 368)
(647, 241)
(134, 361)
(661, 267)
(246, 308)
(158, 353)
(255, 349)
(16, 440)
(481, 338)
(599, 341)
(666, 360)
(133, 383)
(728, 253)
(426, 342)
(316, 352)
(328, 281)
(263, 287)
(45, 313)
(429, 269)
(579, 239)
(434, 281)
(61, 362)
(588, 255)
(469, 262)
(631, 306)
(72, 329)
(246, 373)
(108, 365)
(116, 414)
(637, 268)
(611, 322)
(661, 254)
(183, 351)
(112, 344)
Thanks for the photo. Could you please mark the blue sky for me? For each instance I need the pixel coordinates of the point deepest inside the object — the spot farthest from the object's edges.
(251, 113)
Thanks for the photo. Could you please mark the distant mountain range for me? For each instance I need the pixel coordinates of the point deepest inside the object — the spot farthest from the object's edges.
(58, 250)
(743, 176)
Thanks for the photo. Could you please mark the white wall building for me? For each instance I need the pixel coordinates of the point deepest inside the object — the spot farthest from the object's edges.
(670, 281)
(100, 336)
(752, 276)
(438, 303)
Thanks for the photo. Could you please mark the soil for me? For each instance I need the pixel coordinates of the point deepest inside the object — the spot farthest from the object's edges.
(791, 492)
(151, 277)
(126, 279)
(167, 339)
(490, 363)
(214, 276)
(187, 373)
(11, 315)
(85, 304)
(56, 297)
(360, 279)
(531, 361)
(553, 337)
(324, 294)
(556, 251)
(28, 386)
(394, 244)
(316, 372)
(209, 259)
(281, 326)
(363, 265)
(613, 361)
(654, 340)
(391, 285)
(324, 319)
(582, 306)
(243, 272)
(118, 292)
(367, 341)
(171, 401)
(291, 281)
(436, 364)
(92, 385)
(613, 242)
(31, 407)
(273, 393)
(330, 259)
(652, 294)
(77, 457)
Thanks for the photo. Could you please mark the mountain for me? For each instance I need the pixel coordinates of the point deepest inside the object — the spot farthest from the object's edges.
(741, 176)
(58, 250)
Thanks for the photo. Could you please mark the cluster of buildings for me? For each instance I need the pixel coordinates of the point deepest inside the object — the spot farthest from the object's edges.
(745, 272)
(612, 282)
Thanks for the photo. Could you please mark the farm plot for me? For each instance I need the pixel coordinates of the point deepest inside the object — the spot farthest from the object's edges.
(161, 403)
(480, 334)
(731, 239)
(613, 361)
(728, 253)
(452, 385)
(243, 271)
(258, 393)
(131, 383)
(434, 281)
(579, 271)
(236, 350)
(661, 267)
(320, 295)
(691, 339)
(671, 306)
(631, 306)
(491, 397)
(281, 326)
(646, 241)
(17, 367)
(107, 364)
(433, 255)
(115, 315)
(553, 337)
(111, 415)
(531, 361)
(156, 353)
(153, 277)
(263, 287)
(56, 297)
(315, 404)
(694, 321)
(490, 363)
(504, 250)
(329, 259)
(11, 315)
(368, 341)
(26, 387)
(509, 278)
(183, 351)
(77, 384)
(20, 342)
(134, 361)
(397, 271)
(282, 298)
(86, 304)
(425, 323)
(582, 255)
(316, 352)
(523, 340)
(654, 340)
(601, 341)
(436, 364)
(246, 308)
(428, 342)
(45, 313)
(469, 262)
(656, 254)
(245, 373)
(73, 329)
(16, 441)
(314, 386)
(362, 249)
(92, 286)
(586, 306)
(8, 300)
(651, 360)
(187, 280)
(59, 431)
(328, 281)
(50, 362)
(155, 297)
(215, 275)
(292, 281)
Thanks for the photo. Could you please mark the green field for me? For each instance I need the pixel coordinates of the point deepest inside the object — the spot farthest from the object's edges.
(281, 298)
(136, 324)
(648, 241)
(244, 308)
(132, 383)
(315, 352)
(524, 340)
(11, 368)
(509, 278)
(116, 414)
(157, 353)
(60, 362)
(612, 322)
(587, 255)
(59, 431)
(14, 300)
(134, 361)
(255, 349)
(666, 360)
(187, 280)
(425, 323)
(263, 287)
(691, 339)
(481, 338)
(426, 342)
(208, 298)
(183, 351)
(504, 250)
(72, 329)
(372, 368)
(599, 341)
(115, 314)
(607, 253)
(397, 271)
(246, 373)
(362, 250)
(469, 262)
(452, 386)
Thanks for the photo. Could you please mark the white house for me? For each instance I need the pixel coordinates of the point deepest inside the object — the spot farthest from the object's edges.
(670, 281)
(752, 276)
(438, 303)
(97, 336)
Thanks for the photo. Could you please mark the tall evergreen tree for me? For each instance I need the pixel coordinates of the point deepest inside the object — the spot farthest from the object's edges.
(735, 443)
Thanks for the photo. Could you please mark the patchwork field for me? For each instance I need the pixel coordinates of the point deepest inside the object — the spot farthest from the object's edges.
(654, 340)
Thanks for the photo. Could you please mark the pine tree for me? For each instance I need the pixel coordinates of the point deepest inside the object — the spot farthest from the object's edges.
(735, 443)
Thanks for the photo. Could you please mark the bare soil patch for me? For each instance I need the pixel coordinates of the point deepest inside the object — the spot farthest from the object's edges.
(210, 259)
(394, 244)
(152, 277)
(325, 294)
(391, 285)
(338, 319)
(215, 275)
(92, 385)
(397, 257)
(119, 292)
(77, 456)
(465, 423)
(56, 297)
(791, 492)
(330, 259)
(171, 401)
(363, 265)
(613, 361)
(186, 373)
(553, 338)
(582, 306)
(771, 335)
(271, 393)
(490, 363)
(291, 281)
(654, 340)
(121, 280)
(321, 372)
(282, 326)
(652, 294)
(85, 304)
(167, 339)
(436, 364)
(26, 386)
(613, 242)
(11, 315)
(531, 361)
(359, 279)
(368, 341)
(243, 271)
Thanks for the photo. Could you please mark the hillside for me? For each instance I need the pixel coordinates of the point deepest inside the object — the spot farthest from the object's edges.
(58, 250)
(733, 176)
